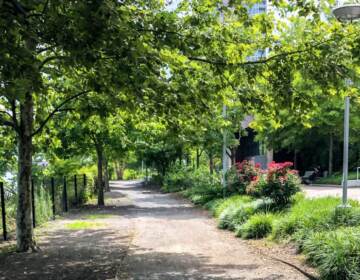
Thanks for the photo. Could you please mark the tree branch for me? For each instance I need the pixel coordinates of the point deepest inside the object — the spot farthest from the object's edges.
(4, 122)
(14, 118)
(260, 61)
(50, 58)
(57, 108)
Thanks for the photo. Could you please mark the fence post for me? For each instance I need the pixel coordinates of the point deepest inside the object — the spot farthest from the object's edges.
(3, 212)
(53, 196)
(33, 203)
(65, 196)
(76, 191)
(84, 181)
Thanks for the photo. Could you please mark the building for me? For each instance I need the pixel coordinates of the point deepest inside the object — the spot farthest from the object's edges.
(249, 148)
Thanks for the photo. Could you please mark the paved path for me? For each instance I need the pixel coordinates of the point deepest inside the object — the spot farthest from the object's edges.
(145, 235)
(173, 240)
(321, 191)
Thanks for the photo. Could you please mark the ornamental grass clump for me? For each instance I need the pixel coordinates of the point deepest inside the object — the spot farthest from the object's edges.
(257, 226)
(306, 215)
(235, 200)
(336, 254)
(237, 214)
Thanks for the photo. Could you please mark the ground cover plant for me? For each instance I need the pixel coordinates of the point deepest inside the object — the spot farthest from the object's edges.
(258, 226)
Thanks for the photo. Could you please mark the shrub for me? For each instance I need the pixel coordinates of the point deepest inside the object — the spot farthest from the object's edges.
(282, 183)
(255, 188)
(213, 205)
(203, 192)
(257, 226)
(241, 175)
(335, 253)
(177, 179)
(130, 174)
(182, 178)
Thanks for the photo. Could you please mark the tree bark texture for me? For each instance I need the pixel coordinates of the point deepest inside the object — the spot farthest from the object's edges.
(24, 230)
(106, 175)
(100, 159)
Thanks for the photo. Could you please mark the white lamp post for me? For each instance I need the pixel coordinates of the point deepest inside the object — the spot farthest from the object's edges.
(347, 12)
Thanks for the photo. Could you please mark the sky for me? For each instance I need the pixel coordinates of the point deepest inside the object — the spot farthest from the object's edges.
(173, 4)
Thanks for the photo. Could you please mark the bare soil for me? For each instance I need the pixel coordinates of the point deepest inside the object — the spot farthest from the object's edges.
(149, 235)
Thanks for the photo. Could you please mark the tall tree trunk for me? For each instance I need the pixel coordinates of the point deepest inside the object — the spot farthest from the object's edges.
(106, 175)
(295, 159)
(211, 163)
(100, 159)
(24, 230)
(119, 170)
(331, 153)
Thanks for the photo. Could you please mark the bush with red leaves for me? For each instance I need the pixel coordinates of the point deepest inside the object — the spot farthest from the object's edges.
(282, 182)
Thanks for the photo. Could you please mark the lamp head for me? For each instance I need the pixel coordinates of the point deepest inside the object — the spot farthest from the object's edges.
(347, 12)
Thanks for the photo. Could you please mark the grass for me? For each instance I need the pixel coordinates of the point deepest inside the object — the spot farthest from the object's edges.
(234, 200)
(311, 215)
(97, 216)
(236, 214)
(257, 226)
(80, 225)
(335, 253)
(335, 179)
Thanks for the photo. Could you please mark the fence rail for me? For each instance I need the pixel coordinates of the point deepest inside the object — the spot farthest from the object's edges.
(58, 197)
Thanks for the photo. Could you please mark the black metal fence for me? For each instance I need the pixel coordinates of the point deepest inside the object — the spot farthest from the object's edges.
(63, 193)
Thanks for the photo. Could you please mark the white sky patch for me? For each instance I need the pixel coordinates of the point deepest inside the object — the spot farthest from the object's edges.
(172, 4)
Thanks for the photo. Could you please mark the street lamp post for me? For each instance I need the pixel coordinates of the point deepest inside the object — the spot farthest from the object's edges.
(347, 12)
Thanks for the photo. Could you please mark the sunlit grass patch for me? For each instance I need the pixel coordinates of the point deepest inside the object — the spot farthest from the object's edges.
(78, 225)
(98, 216)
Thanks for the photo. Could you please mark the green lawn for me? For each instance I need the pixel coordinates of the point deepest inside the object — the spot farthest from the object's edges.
(335, 179)
(81, 225)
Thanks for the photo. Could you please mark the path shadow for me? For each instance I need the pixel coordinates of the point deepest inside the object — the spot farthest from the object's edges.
(67, 254)
(151, 265)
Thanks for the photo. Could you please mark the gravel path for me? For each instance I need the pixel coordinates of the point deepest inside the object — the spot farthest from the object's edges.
(144, 235)
(321, 191)
(173, 241)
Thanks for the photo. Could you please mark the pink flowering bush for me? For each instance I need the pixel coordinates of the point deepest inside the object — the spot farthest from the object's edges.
(278, 183)
(241, 175)
(282, 182)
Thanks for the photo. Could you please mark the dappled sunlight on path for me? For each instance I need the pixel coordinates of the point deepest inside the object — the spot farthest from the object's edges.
(141, 234)
(175, 240)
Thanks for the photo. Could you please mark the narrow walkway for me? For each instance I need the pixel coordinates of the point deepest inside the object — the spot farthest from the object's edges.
(141, 234)
(173, 241)
(326, 190)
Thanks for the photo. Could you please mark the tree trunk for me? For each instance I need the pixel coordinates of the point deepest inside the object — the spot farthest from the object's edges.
(100, 159)
(331, 153)
(106, 175)
(211, 163)
(119, 170)
(24, 230)
(295, 159)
